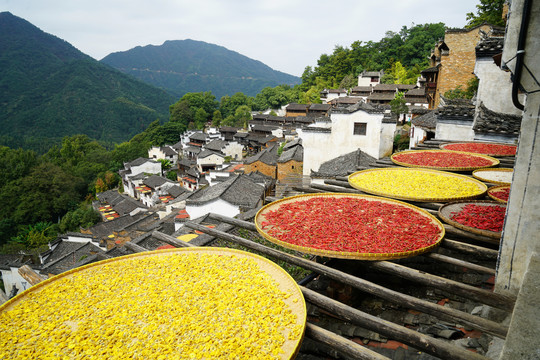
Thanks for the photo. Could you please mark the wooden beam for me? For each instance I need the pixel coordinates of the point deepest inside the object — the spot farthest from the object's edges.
(466, 264)
(450, 230)
(405, 300)
(454, 287)
(336, 189)
(341, 344)
(171, 240)
(30, 275)
(231, 221)
(419, 341)
(470, 248)
(134, 247)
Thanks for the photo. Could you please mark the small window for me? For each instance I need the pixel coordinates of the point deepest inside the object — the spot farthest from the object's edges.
(360, 128)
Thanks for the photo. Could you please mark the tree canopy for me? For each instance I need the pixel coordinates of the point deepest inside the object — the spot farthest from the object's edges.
(488, 11)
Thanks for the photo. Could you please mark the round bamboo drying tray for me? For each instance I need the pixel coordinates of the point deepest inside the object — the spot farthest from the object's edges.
(394, 181)
(448, 154)
(447, 146)
(493, 189)
(446, 211)
(261, 217)
(483, 174)
(291, 303)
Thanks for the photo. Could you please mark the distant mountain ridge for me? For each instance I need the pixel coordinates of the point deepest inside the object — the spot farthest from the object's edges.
(181, 66)
(49, 89)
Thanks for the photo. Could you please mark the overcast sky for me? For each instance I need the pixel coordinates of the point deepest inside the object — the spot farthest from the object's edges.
(286, 35)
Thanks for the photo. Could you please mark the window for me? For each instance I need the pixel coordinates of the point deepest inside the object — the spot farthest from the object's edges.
(360, 128)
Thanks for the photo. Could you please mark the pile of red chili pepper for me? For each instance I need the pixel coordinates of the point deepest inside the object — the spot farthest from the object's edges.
(486, 149)
(442, 159)
(349, 224)
(502, 194)
(483, 217)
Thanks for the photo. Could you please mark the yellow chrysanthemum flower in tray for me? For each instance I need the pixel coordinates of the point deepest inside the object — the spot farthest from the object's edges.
(417, 184)
(192, 303)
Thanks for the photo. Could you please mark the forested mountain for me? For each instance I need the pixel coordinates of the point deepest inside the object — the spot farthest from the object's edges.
(183, 66)
(49, 89)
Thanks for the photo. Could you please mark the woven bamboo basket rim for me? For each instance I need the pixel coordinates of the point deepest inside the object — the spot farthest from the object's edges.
(443, 147)
(283, 280)
(478, 175)
(481, 186)
(495, 189)
(494, 162)
(445, 213)
(259, 217)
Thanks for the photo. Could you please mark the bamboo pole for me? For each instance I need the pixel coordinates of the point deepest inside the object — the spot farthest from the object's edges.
(454, 261)
(407, 301)
(470, 248)
(341, 344)
(419, 341)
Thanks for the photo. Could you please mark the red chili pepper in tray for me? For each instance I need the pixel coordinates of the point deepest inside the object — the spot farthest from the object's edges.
(483, 217)
(351, 224)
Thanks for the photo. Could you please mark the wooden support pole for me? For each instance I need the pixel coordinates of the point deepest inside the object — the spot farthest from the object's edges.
(335, 189)
(467, 291)
(306, 189)
(341, 344)
(454, 261)
(452, 231)
(30, 275)
(419, 341)
(171, 240)
(231, 221)
(408, 301)
(134, 247)
(470, 249)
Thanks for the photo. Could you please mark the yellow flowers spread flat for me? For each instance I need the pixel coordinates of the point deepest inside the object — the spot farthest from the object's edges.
(165, 305)
(420, 184)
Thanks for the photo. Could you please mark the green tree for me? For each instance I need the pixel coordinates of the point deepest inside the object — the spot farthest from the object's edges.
(82, 217)
(488, 11)
(172, 175)
(217, 118)
(36, 235)
(200, 118)
(242, 116)
(398, 104)
(229, 104)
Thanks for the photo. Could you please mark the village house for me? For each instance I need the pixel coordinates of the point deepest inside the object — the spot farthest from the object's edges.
(341, 166)
(158, 186)
(227, 132)
(453, 61)
(384, 93)
(135, 172)
(328, 95)
(319, 110)
(294, 109)
(231, 149)
(215, 176)
(362, 92)
(166, 152)
(370, 78)
(361, 126)
(208, 159)
(193, 179)
(229, 198)
(264, 161)
(290, 160)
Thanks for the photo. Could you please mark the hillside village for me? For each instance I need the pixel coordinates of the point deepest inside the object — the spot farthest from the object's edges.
(225, 174)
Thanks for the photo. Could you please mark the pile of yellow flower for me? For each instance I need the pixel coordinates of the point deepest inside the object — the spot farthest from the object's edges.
(418, 184)
(169, 305)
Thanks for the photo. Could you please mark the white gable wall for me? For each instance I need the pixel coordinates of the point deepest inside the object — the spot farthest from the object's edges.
(320, 147)
(453, 131)
(218, 206)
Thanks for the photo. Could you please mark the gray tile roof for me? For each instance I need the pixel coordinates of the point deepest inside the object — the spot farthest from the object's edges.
(343, 165)
(239, 190)
(427, 121)
(267, 156)
(121, 203)
(198, 136)
(296, 107)
(216, 145)
(295, 153)
(175, 191)
(360, 105)
(416, 92)
(320, 107)
(168, 151)
(138, 161)
(67, 255)
(381, 97)
(155, 181)
(193, 149)
(206, 153)
(491, 122)
(229, 129)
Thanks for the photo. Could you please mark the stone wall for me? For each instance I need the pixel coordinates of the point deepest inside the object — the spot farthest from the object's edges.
(290, 167)
(457, 64)
(269, 170)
